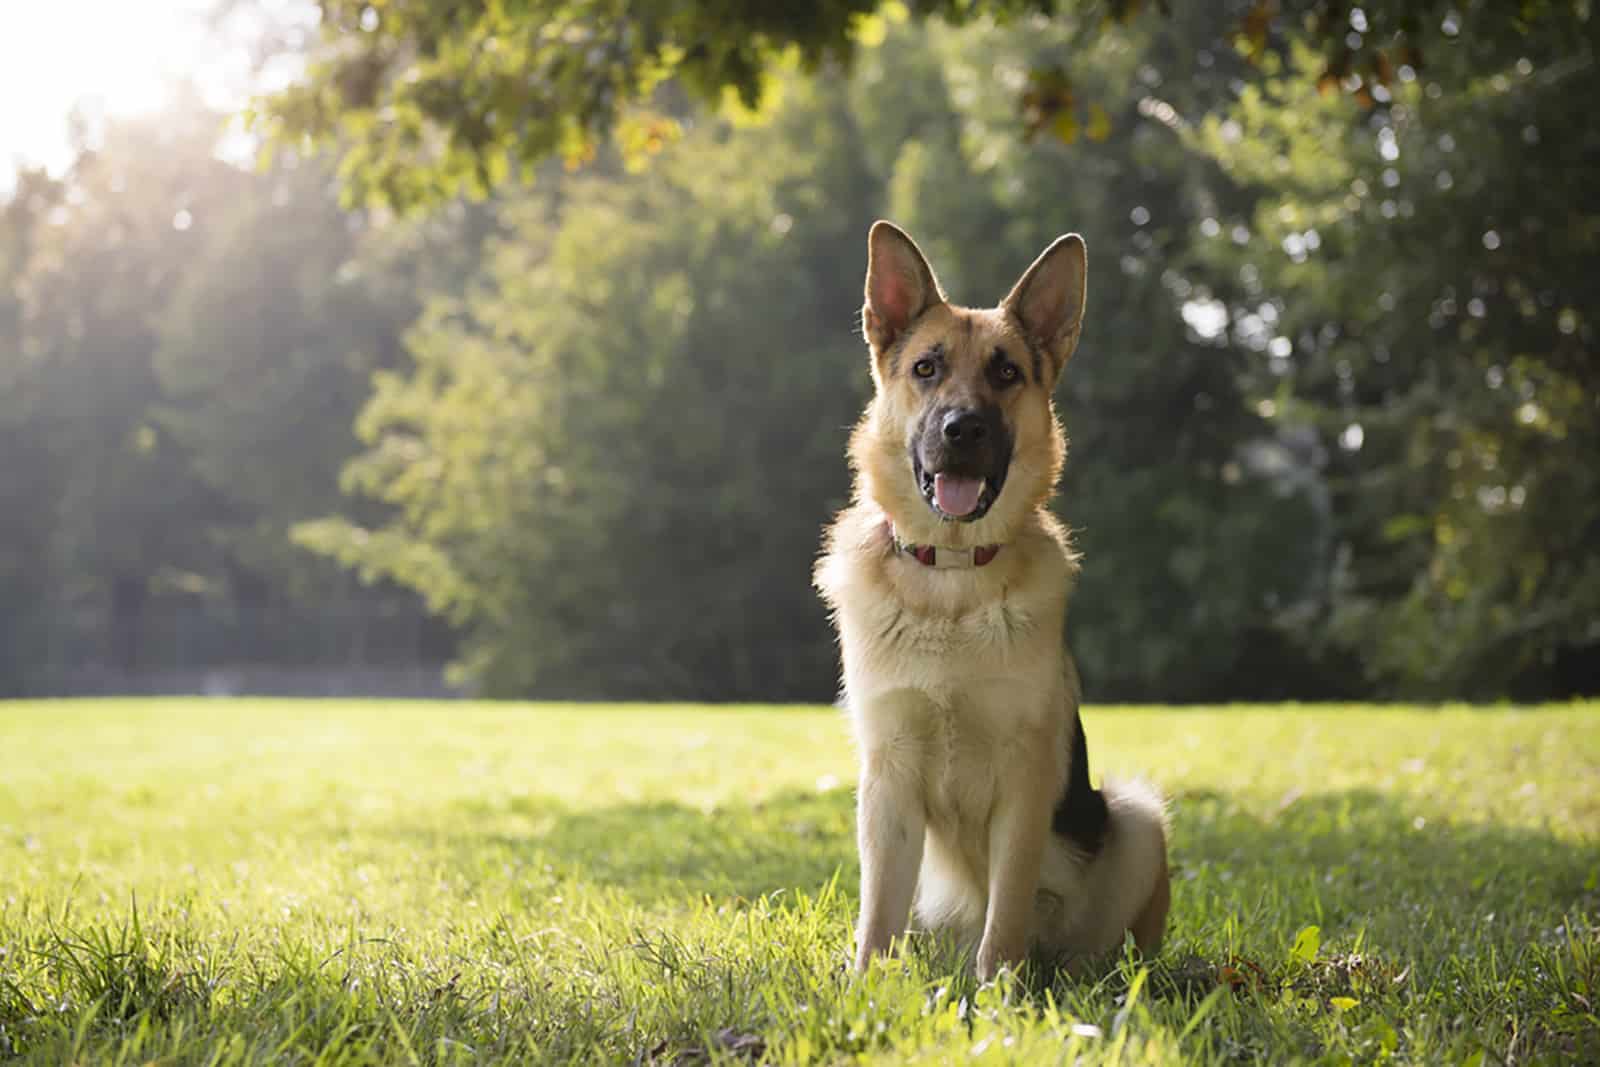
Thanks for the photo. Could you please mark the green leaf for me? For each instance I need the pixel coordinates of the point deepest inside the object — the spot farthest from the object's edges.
(869, 30)
(1306, 944)
(1066, 126)
(1099, 127)
(1402, 527)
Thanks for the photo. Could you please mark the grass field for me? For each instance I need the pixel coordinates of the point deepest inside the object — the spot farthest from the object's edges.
(352, 882)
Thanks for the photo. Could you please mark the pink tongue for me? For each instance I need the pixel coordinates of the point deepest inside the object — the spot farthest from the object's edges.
(956, 496)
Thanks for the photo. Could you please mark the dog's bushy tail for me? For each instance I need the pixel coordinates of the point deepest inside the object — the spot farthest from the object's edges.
(1124, 886)
(1136, 860)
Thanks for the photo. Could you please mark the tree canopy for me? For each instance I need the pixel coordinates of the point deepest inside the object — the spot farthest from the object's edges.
(430, 98)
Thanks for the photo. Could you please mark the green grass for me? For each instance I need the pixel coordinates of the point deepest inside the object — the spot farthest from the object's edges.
(296, 882)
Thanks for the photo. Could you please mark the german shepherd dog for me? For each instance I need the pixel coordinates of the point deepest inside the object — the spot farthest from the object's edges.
(948, 578)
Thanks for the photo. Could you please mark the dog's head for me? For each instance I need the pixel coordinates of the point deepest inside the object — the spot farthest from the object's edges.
(961, 440)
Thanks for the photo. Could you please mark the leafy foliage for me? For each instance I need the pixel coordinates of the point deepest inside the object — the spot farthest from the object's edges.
(589, 457)
(615, 453)
(426, 99)
(1418, 281)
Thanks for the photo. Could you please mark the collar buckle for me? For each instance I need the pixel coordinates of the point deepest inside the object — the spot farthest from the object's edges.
(945, 559)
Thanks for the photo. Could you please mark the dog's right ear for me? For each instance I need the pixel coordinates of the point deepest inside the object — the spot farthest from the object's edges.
(900, 285)
(1048, 300)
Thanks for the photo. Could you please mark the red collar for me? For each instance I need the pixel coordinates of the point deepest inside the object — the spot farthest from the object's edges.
(944, 558)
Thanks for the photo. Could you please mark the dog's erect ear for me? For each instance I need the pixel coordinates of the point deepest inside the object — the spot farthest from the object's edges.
(900, 285)
(1048, 300)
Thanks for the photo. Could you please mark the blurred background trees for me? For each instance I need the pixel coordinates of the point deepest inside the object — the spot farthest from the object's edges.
(1420, 279)
(1334, 419)
(186, 346)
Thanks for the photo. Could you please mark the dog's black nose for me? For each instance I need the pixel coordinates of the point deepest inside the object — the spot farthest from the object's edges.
(965, 427)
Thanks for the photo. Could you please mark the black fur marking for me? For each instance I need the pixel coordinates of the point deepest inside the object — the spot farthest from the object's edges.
(1038, 359)
(1081, 814)
(897, 347)
(997, 363)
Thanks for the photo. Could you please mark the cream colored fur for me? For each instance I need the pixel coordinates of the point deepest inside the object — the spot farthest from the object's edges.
(960, 690)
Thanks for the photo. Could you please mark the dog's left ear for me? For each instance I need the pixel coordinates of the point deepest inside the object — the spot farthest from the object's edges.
(1048, 300)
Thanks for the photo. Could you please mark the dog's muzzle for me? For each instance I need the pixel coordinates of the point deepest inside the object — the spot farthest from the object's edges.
(960, 459)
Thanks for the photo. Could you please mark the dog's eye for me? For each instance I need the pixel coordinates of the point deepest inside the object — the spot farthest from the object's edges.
(924, 368)
(1001, 371)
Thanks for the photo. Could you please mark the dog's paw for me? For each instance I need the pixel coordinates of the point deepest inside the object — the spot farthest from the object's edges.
(994, 958)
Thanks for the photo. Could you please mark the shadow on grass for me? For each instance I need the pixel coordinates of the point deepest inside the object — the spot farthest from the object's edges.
(1357, 856)
(1369, 855)
(662, 850)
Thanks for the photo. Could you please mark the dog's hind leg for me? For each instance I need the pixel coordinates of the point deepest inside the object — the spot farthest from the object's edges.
(1122, 887)
(1131, 876)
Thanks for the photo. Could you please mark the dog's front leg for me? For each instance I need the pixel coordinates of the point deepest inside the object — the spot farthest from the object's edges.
(1019, 830)
(889, 826)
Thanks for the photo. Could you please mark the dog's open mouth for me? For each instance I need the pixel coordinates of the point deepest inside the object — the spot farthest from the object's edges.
(959, 459)
(957, 496)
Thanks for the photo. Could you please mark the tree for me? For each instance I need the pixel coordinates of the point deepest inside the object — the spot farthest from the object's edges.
(599, 460)
(267, 347)
(427, 98)
(614, 457)
(29, 469)
(183, 348)
(119, 520)
(1418, 281)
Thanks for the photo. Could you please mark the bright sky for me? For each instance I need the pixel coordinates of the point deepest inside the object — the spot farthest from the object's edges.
(106, 57)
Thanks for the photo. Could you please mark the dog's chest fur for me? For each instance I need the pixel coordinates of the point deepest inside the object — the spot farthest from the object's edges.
(965, 750)
(904, 625)
(949, 672)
